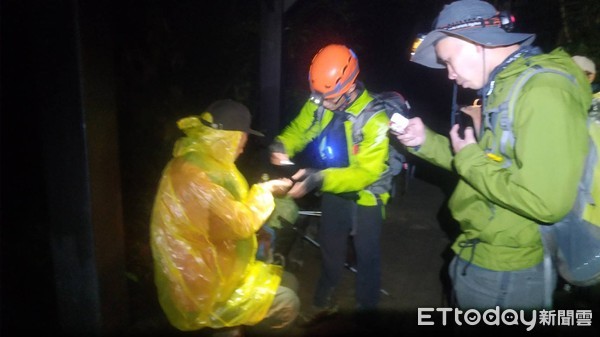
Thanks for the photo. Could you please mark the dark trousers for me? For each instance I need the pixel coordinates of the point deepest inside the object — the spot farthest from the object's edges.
(341, 217)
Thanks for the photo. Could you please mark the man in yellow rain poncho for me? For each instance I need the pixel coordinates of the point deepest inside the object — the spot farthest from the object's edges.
(203, 229)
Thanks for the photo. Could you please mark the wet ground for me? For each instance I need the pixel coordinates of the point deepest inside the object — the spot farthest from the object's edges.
(415, 241)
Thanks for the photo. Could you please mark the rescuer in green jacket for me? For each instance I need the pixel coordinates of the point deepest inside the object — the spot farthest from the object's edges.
(502, 198)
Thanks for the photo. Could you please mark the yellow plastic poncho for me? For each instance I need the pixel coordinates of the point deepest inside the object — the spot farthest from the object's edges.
(203, 235)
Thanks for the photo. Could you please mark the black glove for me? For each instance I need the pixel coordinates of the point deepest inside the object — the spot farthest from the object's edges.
(309, 180)
(277, 147)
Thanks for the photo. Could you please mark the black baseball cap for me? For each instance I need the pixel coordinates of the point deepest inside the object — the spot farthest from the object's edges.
(227, 114)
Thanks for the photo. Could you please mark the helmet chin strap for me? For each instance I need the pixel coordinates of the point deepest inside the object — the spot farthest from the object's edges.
(346, 100)
(347, 96)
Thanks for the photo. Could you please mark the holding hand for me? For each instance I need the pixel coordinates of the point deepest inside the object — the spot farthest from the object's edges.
(306, 181)
(414, 133)
(457, 142)
(279, 159)
(278, 155)
(277, 187)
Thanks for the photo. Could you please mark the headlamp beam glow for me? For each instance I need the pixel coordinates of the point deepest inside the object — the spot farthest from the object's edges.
(316, 98)
(416, 43)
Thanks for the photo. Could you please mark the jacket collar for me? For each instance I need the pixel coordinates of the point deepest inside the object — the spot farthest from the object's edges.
(523, 52)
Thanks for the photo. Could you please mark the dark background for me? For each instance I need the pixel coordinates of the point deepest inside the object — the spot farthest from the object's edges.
(171, 59)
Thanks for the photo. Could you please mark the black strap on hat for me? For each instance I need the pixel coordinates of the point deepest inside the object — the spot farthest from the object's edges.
(217, 126)
(502, 19)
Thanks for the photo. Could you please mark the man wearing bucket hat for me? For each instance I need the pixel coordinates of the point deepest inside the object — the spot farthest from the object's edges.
(499, 257)
(203, 231)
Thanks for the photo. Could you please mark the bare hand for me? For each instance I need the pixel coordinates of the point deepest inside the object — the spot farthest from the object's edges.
(457, 142)
(277, 158)
(414, 133)
(278, 187)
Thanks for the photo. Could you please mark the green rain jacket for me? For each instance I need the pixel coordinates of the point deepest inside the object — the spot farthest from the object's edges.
(367, 164)
(502, 207)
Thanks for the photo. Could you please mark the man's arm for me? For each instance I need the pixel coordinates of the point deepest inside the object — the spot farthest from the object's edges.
(550, 147)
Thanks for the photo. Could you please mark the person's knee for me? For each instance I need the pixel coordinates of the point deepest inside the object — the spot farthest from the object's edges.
(284, 309)
(294, 305)
(290, 303)
(289, 281)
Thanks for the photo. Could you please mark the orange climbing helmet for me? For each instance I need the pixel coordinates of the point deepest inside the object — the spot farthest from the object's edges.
(333, 70)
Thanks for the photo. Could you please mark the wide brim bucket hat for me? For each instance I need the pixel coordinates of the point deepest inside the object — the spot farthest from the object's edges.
(466, 19)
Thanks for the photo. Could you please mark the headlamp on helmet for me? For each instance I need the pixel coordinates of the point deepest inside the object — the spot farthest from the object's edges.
(316, 97)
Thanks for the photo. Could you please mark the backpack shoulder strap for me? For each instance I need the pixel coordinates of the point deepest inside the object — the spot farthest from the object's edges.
(317, 116)
(506, 109)
(359, 121)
